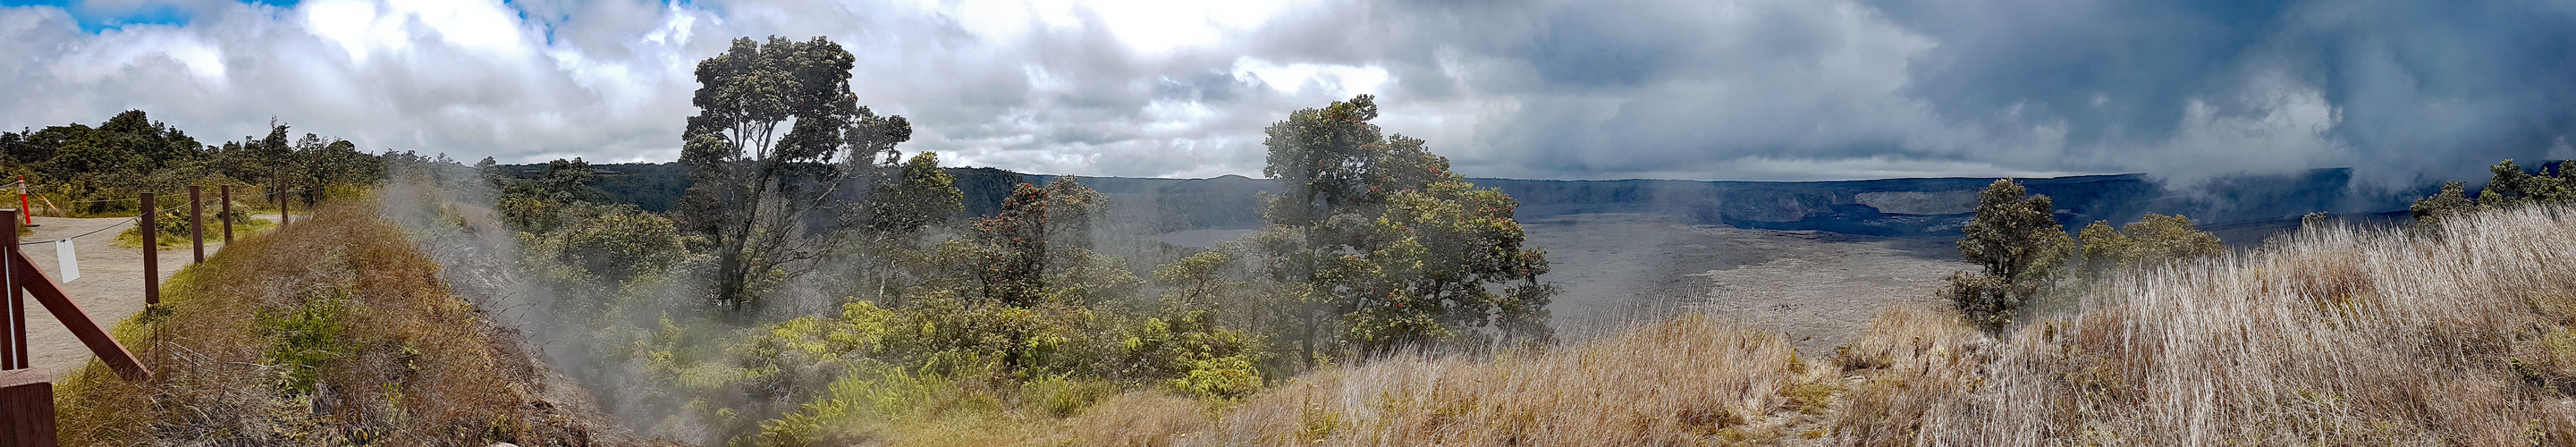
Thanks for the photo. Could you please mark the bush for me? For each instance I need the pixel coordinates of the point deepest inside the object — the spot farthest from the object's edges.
(1987, 301)
(2017, 240)
(612, 244)
(1190, 354)
(2154, 240)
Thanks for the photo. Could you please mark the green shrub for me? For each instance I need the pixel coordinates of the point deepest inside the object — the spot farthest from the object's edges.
(2152, 240)
(1222, 377)
(1190, 354)
(304, 338)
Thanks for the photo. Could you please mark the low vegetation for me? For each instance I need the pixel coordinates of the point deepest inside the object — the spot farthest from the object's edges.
(822, 288)
(1688, 381)
(2509, 187)
(2334, 336)
(332, 332)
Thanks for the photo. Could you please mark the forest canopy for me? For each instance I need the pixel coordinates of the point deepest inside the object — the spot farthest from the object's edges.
(80, 170)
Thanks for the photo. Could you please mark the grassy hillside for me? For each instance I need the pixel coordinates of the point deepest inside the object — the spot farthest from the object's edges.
(2460, 336)
(333, 331)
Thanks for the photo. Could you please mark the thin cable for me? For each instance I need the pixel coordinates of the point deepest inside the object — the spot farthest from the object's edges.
(109, 226)
(137, 216)
(91, 232)
(176, 193)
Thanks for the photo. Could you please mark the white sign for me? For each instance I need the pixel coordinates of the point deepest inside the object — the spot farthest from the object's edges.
(70, 260)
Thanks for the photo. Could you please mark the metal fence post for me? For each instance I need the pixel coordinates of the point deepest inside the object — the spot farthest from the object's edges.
(151, 253)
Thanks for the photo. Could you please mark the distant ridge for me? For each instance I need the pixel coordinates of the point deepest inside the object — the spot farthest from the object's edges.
(2244, 209)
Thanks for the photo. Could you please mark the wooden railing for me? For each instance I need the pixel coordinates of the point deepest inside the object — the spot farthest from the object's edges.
(26, 392)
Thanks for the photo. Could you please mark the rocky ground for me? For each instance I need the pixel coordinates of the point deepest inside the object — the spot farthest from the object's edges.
(1820, 288)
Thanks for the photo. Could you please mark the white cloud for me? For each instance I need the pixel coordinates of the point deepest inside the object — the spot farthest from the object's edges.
(1748, 89)
(1339, 81)
(127, 46)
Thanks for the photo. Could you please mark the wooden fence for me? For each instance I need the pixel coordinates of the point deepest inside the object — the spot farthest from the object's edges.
(26, 392)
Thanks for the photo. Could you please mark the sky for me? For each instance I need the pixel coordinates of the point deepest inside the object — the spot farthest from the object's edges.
(2402, 91)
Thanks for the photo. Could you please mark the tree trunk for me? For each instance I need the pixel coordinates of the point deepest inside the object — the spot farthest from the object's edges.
(1306, 340)
(733, 272)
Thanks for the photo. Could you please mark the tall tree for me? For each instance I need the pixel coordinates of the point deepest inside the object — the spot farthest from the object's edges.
(320, 164)
(920, 195)
(778, 132)
(899, 211)
(1391, 248)
(1038, 249)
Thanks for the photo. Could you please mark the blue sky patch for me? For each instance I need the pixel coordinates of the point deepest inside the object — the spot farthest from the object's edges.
(95, 19)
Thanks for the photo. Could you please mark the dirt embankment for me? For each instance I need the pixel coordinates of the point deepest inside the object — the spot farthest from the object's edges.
(337, 330)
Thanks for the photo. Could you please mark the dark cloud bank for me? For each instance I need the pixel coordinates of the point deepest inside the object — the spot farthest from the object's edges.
(2403, 92)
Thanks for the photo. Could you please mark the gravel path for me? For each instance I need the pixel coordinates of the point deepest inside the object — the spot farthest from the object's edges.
(110, 287)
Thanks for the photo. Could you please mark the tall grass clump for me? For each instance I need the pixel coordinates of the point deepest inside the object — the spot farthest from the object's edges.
(332, 332)
(1912, 362)
(2456, 336)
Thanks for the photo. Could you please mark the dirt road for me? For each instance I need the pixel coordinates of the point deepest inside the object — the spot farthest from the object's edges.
(110, 287)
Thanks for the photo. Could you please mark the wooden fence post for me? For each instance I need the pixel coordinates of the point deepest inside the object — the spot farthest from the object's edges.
(26, 408)
(227, 216)
(151, 253)
(283, 198)
(197, 223)
(26, 398)
(26, 394)
(15, 345)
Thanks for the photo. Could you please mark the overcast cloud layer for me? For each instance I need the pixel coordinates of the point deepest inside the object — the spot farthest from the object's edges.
(1742, 90)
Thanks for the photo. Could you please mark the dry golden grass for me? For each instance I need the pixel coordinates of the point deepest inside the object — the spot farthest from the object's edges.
(407, 363)
(2335, 337)
(1136, 419)
(1911, 362)
(1688, 381)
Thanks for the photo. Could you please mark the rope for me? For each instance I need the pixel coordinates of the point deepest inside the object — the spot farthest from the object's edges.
(110, 226)
(140, 216)
(82, 235)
